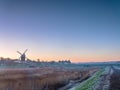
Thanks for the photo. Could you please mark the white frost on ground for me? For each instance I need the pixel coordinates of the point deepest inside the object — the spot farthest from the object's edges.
(116, 67)
(103, 81)
(72, 88)
(80, 84)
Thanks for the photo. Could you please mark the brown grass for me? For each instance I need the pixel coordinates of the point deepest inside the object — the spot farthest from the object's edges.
(40, 78)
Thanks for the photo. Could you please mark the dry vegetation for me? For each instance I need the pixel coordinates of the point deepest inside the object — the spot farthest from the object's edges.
(40, 78)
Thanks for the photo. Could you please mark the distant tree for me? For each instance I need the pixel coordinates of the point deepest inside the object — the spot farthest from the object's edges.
(52, 62)
(1, 58)
(8, 58)
(69, 61)
(38, 60)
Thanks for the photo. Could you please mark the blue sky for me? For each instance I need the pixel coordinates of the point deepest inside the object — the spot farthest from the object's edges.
(61, 29)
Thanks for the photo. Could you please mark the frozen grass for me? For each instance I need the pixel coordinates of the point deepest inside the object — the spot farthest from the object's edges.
(89, 84)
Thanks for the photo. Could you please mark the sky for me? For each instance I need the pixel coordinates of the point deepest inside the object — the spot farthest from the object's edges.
(79, 30)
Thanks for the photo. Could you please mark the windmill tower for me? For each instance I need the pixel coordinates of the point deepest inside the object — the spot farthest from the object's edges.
(22, 55)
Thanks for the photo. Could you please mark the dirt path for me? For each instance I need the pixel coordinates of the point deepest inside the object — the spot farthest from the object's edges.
(104, 81)
(80, 83)
(115, 79)
(84, 76)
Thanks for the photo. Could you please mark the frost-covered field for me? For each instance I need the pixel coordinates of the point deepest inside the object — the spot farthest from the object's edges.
(40, 78)
(91, 82)
(47, 76)
(98, 81)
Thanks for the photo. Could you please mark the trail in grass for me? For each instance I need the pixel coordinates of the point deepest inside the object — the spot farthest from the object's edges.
(114, 80)
(94, 82)
(81, 83)
(90, 83)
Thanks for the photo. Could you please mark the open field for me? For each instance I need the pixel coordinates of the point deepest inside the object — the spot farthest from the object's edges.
(45, 78)
(59, 76)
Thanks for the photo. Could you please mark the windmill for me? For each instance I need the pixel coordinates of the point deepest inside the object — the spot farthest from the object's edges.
(22, 55)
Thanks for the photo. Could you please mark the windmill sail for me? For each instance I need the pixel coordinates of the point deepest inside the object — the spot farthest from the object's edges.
(22, 56)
